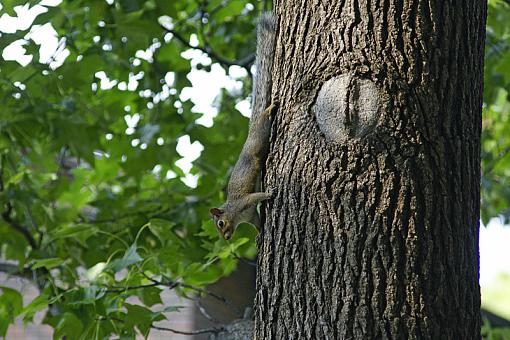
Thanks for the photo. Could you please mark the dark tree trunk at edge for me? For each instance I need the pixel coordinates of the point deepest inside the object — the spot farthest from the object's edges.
(375, 156)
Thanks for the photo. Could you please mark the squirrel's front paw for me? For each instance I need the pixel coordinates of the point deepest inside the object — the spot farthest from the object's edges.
(274, 106)
(271, 191)
(268, 112)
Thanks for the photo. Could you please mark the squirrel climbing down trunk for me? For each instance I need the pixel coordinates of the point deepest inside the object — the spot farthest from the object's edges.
(241, 203)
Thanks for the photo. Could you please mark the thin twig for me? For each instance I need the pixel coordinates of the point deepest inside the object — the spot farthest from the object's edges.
(36, 226)
(52, 59)
(118, 289)
(13, 269)
(9, 268)
(6, 216)
(196, 332)
(244, 62)
(173, 284)
(34, 275)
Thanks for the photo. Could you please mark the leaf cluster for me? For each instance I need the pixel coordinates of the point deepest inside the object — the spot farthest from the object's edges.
(495, 180)
(94, 207)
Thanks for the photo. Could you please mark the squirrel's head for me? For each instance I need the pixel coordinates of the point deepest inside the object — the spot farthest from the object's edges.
(223, 223)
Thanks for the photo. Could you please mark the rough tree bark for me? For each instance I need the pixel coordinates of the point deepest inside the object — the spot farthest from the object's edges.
(373, 232)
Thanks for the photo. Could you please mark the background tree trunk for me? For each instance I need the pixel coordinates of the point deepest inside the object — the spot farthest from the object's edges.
(373, 232)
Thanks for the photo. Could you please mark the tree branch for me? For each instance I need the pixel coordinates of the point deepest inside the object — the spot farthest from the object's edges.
(174, 284)
(171, 285)
(244, 62)
(117, 289)
(6, 216)
(13, 269)
(196, 332)
(35, 276)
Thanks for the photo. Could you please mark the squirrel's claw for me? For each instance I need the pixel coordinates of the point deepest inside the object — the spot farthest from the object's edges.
(271, 191)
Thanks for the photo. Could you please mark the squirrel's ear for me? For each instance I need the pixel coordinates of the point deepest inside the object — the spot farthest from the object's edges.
(216, 212)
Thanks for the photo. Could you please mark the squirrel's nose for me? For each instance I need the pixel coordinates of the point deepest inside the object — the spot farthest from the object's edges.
(227, 235)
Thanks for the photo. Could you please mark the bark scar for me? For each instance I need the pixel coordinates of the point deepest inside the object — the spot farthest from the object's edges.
(347, 107)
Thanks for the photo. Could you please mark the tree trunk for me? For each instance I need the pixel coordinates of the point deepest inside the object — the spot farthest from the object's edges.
(375, 157)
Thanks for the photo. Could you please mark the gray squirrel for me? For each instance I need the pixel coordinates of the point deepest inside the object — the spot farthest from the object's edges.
(242, 200)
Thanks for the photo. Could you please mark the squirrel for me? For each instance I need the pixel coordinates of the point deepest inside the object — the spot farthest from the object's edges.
(242, 200)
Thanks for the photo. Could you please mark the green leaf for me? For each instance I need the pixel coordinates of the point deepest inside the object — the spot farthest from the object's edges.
(233, 8)
(167, 7)
(47, 17)
(8, 6)
(22, 74)
(233, 247)
(47, 263)
(106, 170)
(131, 5)
(161, 228)
(81, 231)
(141, 318)
(170, 55)
(150, 295)
(130, 257)
(11, 304)
(202, 278)
(17, 178)
(209, 230)
(68, 325)
(11, 299)
(4, 325)
(93, 273)
(37, 305)
(93, 293)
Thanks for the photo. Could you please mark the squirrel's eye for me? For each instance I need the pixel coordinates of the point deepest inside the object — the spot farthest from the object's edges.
(221, 224)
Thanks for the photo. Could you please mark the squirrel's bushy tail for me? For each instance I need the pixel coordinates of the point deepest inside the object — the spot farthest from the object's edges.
(266, 40)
